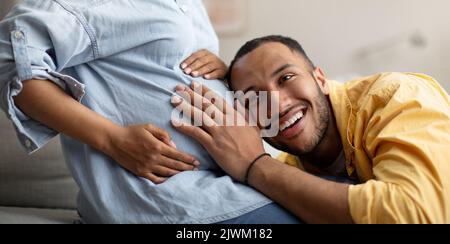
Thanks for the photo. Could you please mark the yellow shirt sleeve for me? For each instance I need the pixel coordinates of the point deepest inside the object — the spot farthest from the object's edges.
(407, 136)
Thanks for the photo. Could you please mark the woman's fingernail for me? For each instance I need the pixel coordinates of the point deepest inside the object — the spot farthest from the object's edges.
(188, 71)
(176, 99)
(195, 73)
(183, 65)
(196, 163)
(180, 88)
(173, 144)
(196, 169)
(207, 77)
(195, 85)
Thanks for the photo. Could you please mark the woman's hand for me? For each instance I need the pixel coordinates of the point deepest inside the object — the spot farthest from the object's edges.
(233, 147)
(144, 150)
(148, 152)
(206, 64)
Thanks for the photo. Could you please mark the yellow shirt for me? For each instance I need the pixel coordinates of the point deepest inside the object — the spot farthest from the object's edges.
(395, 130)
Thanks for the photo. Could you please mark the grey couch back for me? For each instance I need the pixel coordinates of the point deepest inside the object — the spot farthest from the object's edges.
(6, 5)
(40, 180)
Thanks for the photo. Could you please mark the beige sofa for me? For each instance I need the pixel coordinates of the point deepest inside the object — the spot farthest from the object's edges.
(33, 189)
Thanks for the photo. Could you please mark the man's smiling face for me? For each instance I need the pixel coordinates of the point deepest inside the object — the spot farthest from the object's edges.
(303, 105)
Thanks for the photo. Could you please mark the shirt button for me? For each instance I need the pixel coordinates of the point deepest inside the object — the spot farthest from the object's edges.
(28, 143)
(184, 8)
(18, 35)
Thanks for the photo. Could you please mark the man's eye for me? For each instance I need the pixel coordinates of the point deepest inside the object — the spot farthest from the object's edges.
(286, 78)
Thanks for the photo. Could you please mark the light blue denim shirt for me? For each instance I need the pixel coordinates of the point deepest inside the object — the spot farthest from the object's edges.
(120, 59)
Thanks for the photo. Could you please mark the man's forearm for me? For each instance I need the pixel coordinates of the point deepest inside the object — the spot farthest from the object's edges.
(312, 199)
(45, 102)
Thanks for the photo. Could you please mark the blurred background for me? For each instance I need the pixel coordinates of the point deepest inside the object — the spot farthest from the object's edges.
(351, 38)
(347, 38)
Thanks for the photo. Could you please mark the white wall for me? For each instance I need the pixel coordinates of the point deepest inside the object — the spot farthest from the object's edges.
(357, 36)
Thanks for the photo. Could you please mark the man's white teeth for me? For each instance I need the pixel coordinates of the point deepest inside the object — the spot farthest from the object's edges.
(291, 121)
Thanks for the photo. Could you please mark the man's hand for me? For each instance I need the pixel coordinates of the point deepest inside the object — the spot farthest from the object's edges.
(206, 64)
(148, 152)
(312, 199)
(233, 147)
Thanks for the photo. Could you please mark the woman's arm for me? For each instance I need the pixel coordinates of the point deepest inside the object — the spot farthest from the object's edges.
(45, 102)
(145, 150)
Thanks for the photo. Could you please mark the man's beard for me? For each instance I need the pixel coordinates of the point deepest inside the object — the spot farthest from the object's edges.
(323, 112)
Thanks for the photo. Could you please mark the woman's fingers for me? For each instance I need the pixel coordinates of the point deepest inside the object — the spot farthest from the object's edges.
(187, 65)
(206, 64)
(179, 156)
(206, 61)
(204, 69)
(161, 135)
(179, 165)
(154, 178)
(216, 74)
(164, 172)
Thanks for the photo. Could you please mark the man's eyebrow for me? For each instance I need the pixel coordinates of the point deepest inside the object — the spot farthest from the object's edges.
(281, 69)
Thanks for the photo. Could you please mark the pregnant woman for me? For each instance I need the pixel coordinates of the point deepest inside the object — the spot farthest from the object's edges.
(102, 73)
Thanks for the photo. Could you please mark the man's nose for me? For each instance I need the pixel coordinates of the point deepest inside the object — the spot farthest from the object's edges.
(278, 102)
(284, 102)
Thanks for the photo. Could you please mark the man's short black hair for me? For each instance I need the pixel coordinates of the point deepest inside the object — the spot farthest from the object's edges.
(255, 43)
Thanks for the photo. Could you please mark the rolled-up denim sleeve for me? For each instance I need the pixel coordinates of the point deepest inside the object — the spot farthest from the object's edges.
(40, 40)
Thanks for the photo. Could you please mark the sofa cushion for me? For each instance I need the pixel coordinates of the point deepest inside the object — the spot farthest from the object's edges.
(40, 180)
(10, 215)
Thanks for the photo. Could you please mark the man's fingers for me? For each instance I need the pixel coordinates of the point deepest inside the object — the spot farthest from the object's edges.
(242, 116)
(197, 94)
(154, 178)
(199, 117)
(213, 97)
(204, 104)
(195, 132)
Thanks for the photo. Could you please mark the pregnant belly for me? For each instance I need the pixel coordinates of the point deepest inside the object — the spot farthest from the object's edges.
(189, 145)
(155, 108)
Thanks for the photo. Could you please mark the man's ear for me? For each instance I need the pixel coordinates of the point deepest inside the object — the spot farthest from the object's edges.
(321, 79)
